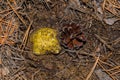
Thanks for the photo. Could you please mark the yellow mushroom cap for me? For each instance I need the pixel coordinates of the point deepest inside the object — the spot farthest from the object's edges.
(45, 40)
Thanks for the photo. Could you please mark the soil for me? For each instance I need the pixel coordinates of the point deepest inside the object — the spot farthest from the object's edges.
(102, 42)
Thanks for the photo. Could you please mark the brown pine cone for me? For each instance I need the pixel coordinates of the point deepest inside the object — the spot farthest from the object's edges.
(72, 37)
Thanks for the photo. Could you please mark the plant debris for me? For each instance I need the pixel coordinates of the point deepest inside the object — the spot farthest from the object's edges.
(72, 37)
(87, 39)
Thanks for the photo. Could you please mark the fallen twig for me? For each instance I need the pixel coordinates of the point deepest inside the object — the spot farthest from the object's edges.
(16, 13)
(35, 74)
(117, 67)
(93, 68)
(104, 42)
(26, 36)
(106, 71)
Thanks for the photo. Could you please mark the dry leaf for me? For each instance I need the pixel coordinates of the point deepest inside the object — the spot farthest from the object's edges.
(111, 21)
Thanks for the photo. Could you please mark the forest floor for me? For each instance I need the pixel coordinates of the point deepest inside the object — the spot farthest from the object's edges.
(98, 59)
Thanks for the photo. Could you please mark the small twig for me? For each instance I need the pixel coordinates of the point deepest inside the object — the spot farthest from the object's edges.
(104, 42)
(115, 72)
(99, 63)
(5, 11)
(45, 4)
(24, 77)
(20, 69)
(106, 57)
(35, 74)
(4, 39)
(26, 36)
(5, 22)
(5, 16)
(13, 29)
(116, 41)
(117, 67)
(114, 4)
(106, 71)
(88, 54)
(105, 63)
(17, 58)
(17, 76)
(103, 5)
(93, 68)
(113, 12)
(8, 10)
(16, 13)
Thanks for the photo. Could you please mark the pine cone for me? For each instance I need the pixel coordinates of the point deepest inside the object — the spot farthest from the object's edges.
(72, 37)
